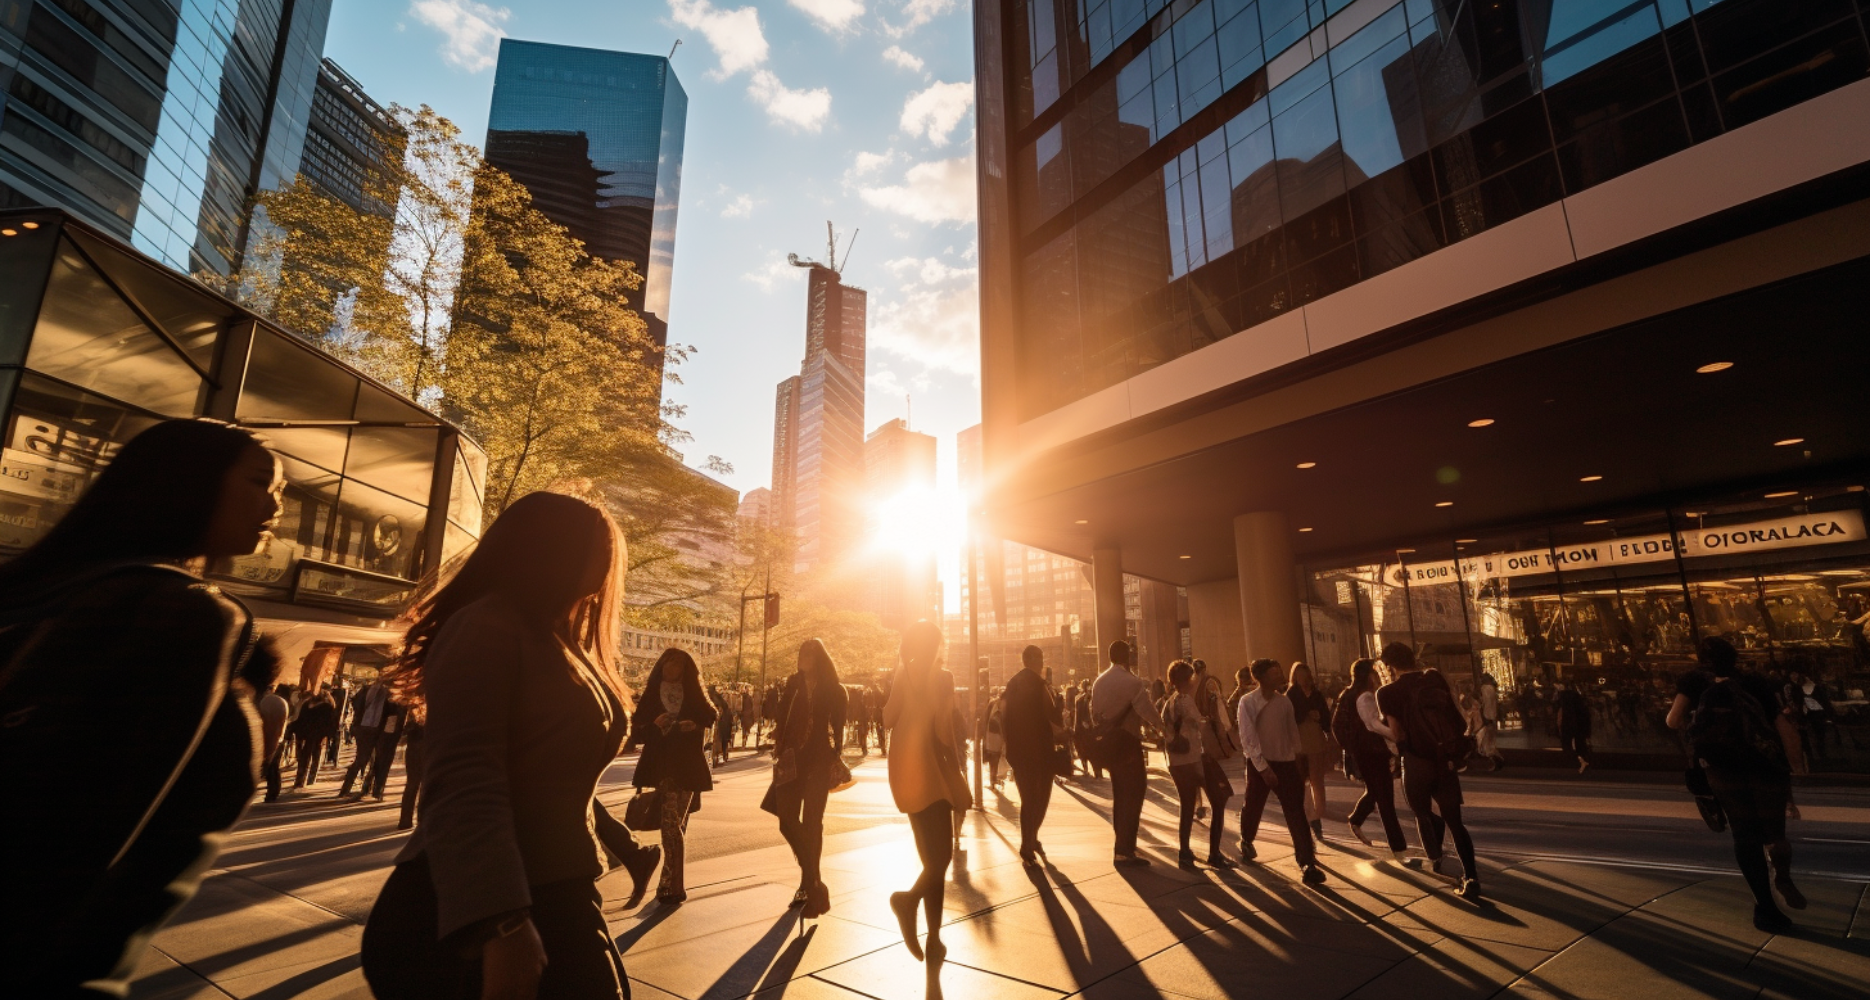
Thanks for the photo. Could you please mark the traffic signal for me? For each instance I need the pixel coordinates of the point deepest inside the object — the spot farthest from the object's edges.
(772, 610)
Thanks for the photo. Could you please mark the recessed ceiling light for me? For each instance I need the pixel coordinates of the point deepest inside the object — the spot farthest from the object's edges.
(1601, 520)
(1714, 366)
(1303, 530)
(1589, 479)
(1405, 551)
(1445, 503)
(9, 232)
(30, 225)
(1466, 541)
(1782, 493)
(1308, 465)
(1083, 522)
(1788, 442)
(1482, 422)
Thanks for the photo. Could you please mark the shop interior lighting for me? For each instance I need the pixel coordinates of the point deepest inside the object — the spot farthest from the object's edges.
(1466, 541)
(1445, 503)
(1601, 520)
(1083, 522)
(1304, 530)
(1714, 366)
(1788, 442)
(1482, 422)
(1308, 465)
(1589, 479)
(1404, 552)
(1188, 557)
(1782, 494)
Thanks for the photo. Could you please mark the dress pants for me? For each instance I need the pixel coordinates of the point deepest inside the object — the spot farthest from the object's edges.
(1430, 787)
(1129, 780)
(1034, 782)
(1380, 795)
(366, 739)
(1291, 794)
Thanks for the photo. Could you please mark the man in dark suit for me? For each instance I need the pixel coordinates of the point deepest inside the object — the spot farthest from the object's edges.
(1029, 726)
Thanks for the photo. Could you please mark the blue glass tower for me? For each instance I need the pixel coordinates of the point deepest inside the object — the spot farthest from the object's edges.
(157, 120)
(596, 137)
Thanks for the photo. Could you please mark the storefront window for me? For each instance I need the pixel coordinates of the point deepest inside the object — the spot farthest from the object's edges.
(379, 532)
(1613, 608)
(57, 439)
(399, 460)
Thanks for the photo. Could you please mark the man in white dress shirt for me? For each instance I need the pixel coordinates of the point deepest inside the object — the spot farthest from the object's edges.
(1120, 696)
(1269, 736)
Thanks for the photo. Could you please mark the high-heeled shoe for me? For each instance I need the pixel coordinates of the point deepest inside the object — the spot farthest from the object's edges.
(798, 899)
(904, 904)
(817, 902)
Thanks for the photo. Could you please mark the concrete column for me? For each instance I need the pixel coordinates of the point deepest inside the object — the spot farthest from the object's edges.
(1107, 588)
(1269, 593)
(1161, 631)
(1214, 628)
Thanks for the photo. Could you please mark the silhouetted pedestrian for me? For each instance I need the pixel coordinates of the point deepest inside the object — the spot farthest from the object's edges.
(129, 743)
(925, 779)
(1419, 707)
(807, 765)
(1027, 715)
(1269, 736)
(1121, 706)
(673, 717)
(1369, 748)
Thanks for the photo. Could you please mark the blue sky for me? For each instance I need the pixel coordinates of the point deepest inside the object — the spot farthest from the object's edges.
(858, 111)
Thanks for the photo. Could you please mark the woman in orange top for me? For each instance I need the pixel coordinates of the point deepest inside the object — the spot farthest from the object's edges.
(925, 777)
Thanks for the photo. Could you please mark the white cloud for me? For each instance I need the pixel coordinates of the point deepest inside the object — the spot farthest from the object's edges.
(739, 208)
(917, 13)
(772, 274)
(907, 60)
(932, 318)
(936, 111)
(866, 164)
(831, 15)
(472, 31)
(805, 110)
(937, 191)
(734, 35)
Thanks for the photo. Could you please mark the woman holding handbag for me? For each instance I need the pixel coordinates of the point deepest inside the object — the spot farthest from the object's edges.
(1313, 711)
(807, 765)
(495, 895)
(925, 778)
(674, 717)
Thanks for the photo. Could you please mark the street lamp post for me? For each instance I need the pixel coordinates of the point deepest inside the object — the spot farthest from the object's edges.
(973, 641)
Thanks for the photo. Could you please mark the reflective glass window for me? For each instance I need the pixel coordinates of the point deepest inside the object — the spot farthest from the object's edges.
(190, 316)
(465, 499)
(24, 260)
(284, 384)
(1583, 33)
(57, 440)
(89, 337)
(1377, 113)
(400, 460)
(1311, 169)
(308, 512)
(378, 532)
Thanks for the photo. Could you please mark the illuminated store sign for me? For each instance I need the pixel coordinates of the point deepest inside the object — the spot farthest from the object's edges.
(1734, 539)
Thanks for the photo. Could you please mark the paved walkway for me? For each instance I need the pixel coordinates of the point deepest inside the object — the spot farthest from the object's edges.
(1081, 929)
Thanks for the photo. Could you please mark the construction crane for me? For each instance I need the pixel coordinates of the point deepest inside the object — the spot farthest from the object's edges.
(831, 252)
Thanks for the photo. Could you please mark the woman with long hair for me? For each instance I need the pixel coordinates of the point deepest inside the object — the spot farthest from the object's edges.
(925, 778)
(130, 744)
(512, 660)
(807, 765)
(672, 722)
(1313, 711)
(1370, 746)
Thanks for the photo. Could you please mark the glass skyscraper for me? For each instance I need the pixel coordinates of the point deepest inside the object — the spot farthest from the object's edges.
(157, 120)
(596, 136)
(818, 428)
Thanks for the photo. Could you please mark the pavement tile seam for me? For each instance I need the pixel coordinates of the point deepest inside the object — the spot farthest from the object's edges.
(184, 966)
(840, 986)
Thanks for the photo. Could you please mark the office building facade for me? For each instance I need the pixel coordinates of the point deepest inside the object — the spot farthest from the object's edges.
(597, 138)
(352, 144)
(818, 429)
(157, 122)
(1515, 331)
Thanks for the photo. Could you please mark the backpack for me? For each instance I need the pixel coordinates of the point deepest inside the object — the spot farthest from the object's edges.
(1347, 727)
(1436, 728)
(1731, 729)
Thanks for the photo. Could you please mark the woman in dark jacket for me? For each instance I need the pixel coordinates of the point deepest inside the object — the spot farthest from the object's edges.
(673, 720)
(495, 895)
(130, 744)
(810, 736)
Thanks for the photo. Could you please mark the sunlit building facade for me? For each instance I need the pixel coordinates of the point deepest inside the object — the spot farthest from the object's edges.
(597, 137)
(899, 478)
(352, 144)
(1514, 331)
(818, 429)
(155, 122)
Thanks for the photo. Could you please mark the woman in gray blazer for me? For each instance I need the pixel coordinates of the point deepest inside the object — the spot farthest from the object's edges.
(495, 895)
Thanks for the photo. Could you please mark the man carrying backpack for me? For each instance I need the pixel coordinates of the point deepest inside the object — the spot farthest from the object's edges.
(1729, 718)
(1431, 732)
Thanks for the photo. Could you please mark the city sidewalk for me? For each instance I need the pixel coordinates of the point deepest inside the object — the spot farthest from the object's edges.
(1080, 928)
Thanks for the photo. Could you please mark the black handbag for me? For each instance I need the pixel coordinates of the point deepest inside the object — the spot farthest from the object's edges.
(1103, 748)
(643, 812)
(1711, 812)
(1062, 765)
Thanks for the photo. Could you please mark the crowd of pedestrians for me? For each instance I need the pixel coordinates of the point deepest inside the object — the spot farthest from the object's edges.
(507, 695)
